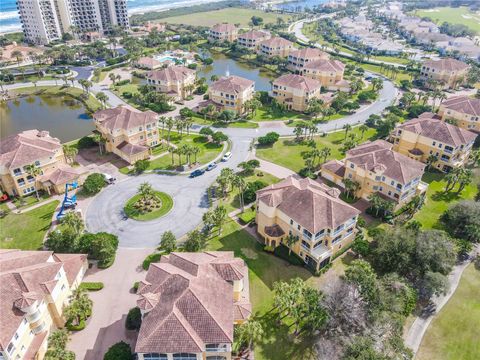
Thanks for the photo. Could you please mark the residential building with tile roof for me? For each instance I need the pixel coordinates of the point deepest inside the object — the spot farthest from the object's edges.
(378, 169)
(231, 93)
(447, 73)
(128, 133)
(297, 59)
(34, 288)
(190, 303)
(309, 210)
(177, 82)
(295, 91)
(419, 138)
(329, 72)
(30, 147)
(223, 32)
(464, 110)
(147, 63)
(276, 46)
(252, 39)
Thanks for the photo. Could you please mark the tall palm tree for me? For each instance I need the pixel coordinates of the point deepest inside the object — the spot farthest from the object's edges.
(98, 138)
(325, 153)
(169, 123)
(74, 222)
(102, 97)
(34, 171)
(362, 129)
(69, 152)
(347, 128)
(239, 183)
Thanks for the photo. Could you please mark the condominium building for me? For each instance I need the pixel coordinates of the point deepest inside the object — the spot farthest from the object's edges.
(376, 168)
(231, 93)
(190, 303)
(35, 288)
(297, 59)
(329, 72)
(175, 81)
(128, 133)
(47, 20)
(295, 91)
(37, 148)
(447, 73)
(252, 39)
(309, 211)
(223, 32)
(420, 138)
(464, 110)
(276, 46)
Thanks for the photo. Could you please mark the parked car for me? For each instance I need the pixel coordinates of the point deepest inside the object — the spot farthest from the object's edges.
(227, 156)
(197, 172)
(211, 166)
(109, 179)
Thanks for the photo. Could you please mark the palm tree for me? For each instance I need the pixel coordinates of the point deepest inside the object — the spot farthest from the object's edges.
(145, 190)
(169, 124)
(325, 153)
(112, 77)
(195, 152)
(69, 152)
(248, 332)
(362, 129)
(377, 84)
(74, 222)
(102, 97)
(98, 138)
(432, 159)
(351, 187)
(347, 128)
(17, 54)
(219, 217)
(239, 183)
(34, 171)
(291, 240)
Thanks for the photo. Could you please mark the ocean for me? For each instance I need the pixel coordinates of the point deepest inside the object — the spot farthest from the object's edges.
(9, 20)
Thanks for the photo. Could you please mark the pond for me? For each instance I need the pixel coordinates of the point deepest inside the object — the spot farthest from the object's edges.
(62, 116)
(223, 66)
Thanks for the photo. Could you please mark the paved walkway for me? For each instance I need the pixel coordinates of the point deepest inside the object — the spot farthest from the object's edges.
(110, 305)
(420, 325)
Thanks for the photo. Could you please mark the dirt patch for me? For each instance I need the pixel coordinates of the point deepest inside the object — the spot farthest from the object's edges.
(249, 253)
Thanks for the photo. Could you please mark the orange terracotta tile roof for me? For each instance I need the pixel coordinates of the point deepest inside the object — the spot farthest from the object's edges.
(171, 74)
(61, 175)
(222, 28)
(463, 104)
(309, 53)
(189, 302)
(325, 65)
(277, 42)
(447, 64)
(254, 35)
(232, 84)
(298, 82)
(313, 205)
(124, 118)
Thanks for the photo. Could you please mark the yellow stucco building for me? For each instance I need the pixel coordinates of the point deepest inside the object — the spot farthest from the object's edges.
(295, 91)
(448, 73)
(231, 93)
(464, 110)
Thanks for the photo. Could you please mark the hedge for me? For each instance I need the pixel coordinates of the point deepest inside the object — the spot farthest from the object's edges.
(91, 286)
(282, 252)
(155, 257)
(134, 319)
(78, 327)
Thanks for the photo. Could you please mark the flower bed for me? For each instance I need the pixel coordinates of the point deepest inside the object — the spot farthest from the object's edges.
(141, 209)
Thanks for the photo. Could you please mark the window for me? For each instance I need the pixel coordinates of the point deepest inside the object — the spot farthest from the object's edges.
(378, 178)
(319, 234)
(291, 222)
(216, 357)
(184, 356)
(305, 245)
(352, 166)
(21, 182)
(392, 183)
(10, 348)
(337, 239)
(155, 356)
(307, 234)
(17, 172)
(298, 227)
(434, 143)
(216, 347)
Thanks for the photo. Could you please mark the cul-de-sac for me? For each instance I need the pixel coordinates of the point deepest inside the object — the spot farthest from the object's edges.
(239, 180)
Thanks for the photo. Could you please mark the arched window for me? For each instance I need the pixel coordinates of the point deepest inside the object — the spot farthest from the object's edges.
(155, 356)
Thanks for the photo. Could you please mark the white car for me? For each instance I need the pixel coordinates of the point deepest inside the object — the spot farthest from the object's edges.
(109, 179)
(227, 156)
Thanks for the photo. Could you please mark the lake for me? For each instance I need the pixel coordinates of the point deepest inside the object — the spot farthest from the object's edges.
(63, 117)
(299, 4)
(223, 65)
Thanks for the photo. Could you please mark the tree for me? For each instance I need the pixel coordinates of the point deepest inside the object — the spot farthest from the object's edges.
(195, 241)
(99, 139)
(462, 220)
(363, 128)
(377, 84)
(248, 332)
(100, 246)
(57, 346)
(134, 319)
(93, 184)
(219, 137)
(79, 308)
(291, 240)
(347, 128)
(219, 217)
(34, 172)
(73, 221)
(431, 160)
(256, 20)
(361, 274)
(168, 242)
(239, 183)
(17, 54)
(362, 348)
(141, 165)
(351, 187)
(69, 152)
(119, 351)
(102, 97)
(112, 78)
(249, 166)
(206, 131)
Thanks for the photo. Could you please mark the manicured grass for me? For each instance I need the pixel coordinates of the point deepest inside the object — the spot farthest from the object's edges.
(91, 103)
(438, 201)
(166, 206)
(268, 113)
(235, 124)
(23, 202)
(232, 15)
(454, 15)
(26, 231)
(454, 332)
(265, 269)
(288, 153)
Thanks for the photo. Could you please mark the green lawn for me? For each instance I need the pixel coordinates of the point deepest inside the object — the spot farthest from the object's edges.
(26, 231)
(166, 206)
(454, 334)
(232, 15)
(264, 270)
(438, 201)
(23, 202)
(235, 124)
(288, 153)
(268, 113)
(458, 15)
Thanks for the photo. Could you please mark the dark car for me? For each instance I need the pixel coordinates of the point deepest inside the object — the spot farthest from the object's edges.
(211, 166)
(196, 173)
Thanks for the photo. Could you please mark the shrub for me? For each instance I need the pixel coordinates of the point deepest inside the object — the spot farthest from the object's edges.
(100, 246)
(268, 248)
(135, 286)
(91, 286)
(247, 217)
(119, 351)
(269, 139)
(86, 142)
(81, 325)
(127, 95)
(206, 131)
(361, 222)
(250, 195)
(134, 319)
(282, 252)
(93, 184)
(361, 247)
(141, 165)
(155, 257)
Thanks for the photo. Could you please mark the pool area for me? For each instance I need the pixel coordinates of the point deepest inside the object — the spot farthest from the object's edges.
(163, 58)
(177, 56)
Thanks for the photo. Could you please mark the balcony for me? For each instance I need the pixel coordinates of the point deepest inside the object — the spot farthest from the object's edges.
(321, 252)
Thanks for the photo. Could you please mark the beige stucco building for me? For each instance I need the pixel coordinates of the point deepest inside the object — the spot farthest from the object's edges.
(448, 73)
(35, 288)
(223, 32)
(252, 39)
(297, 59)
(295, 91)
(378, 169)
(425, 136)
(309, 211)
(329, 72)
(175, 81)
(464, 110)
(128, 133)
(276, 46)
(38, 148)
(231, 93)
(190, 303)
